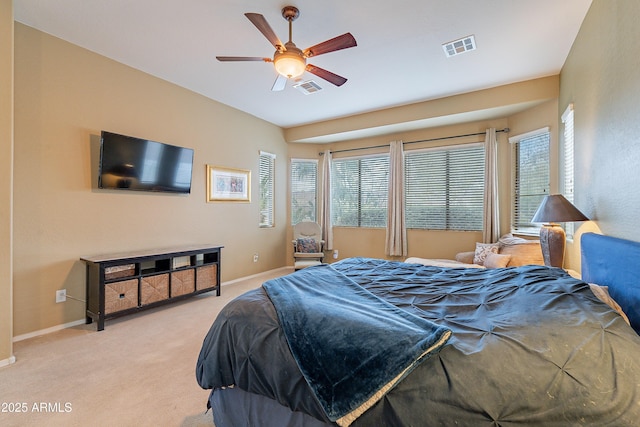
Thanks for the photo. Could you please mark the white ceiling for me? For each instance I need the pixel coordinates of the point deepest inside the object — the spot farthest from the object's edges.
(399, 58)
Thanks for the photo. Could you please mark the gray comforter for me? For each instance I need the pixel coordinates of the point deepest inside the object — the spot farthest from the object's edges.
(529, 345)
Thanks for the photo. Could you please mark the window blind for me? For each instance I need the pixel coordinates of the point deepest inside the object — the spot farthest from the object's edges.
(304, 184)
(531, 179)
(266, 172)
(568, 174)
(359, 191)
(444, 188)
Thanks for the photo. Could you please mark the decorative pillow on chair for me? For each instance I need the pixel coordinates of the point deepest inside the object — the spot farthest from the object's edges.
(482, 250)
(496, 260)
(522, 251)
(306, 245)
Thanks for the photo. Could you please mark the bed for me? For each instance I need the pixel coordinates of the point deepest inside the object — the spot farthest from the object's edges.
(369, 342)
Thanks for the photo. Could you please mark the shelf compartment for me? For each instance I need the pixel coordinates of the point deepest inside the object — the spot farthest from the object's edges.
(154, 288)
(181, 262)
(155, 266)
(206, 258)
(119, 271)
(120, 296)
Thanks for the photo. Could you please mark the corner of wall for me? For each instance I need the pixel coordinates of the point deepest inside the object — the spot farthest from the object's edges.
(6, 182)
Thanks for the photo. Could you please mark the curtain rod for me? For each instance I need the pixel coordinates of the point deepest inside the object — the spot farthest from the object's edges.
(415, 142)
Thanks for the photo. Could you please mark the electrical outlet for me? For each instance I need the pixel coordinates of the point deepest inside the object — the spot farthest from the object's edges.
(255, 257)
(61, 295)
(335, 254)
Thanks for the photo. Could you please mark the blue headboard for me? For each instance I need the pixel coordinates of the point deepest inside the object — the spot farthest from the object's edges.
(613, 262)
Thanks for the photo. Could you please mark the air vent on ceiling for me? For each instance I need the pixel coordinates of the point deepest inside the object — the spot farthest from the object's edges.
(459, 46)
(308, 87)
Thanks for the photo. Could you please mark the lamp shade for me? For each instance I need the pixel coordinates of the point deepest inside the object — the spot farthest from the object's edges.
(290, 63)
(556, 208)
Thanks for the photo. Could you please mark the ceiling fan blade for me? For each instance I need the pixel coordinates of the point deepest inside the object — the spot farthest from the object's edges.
(242, 58)
(263, 26)
(341, 42)
(280, 83)
(327, 75)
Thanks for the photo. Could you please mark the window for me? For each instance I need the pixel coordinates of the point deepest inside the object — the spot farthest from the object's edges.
(531, 178)
(359, 188)
(304, 179)
(267, 166)
(567, 187)
(444, 188)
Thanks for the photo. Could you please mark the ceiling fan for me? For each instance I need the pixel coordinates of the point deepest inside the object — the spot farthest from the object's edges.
(290, 61)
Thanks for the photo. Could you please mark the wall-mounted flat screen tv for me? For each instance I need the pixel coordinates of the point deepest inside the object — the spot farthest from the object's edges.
(128, 163)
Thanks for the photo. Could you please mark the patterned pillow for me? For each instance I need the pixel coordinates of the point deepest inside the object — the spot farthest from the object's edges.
(482, 249)
(306, 245)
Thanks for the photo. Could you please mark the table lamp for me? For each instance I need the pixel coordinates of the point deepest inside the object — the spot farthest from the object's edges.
(555, 208)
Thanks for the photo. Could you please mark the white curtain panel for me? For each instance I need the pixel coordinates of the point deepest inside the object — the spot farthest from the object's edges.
(325, 203)
(491, 231)
(396, 241)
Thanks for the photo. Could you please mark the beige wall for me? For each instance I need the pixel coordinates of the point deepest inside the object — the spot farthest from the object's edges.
(6, 179)
(64, 97)
(600, 77)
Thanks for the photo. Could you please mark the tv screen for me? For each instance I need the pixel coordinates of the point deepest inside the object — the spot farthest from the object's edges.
(129, 163)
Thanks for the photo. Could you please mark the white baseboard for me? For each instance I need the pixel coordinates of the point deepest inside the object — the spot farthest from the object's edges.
(49, 330)
(8, 361)
(240, 279)
(83, 321)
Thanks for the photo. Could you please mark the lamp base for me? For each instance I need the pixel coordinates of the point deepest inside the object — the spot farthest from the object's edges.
(552, 242)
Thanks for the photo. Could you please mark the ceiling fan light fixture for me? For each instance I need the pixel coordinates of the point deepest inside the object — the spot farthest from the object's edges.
(289, 64)
(289, 61)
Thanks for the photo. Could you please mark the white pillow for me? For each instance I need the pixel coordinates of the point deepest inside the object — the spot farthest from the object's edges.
(496, 260)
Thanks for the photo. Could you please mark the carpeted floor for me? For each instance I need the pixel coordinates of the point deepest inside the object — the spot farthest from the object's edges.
(139, 371)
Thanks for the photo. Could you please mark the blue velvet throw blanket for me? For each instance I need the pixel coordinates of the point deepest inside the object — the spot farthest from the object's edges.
(351, 346)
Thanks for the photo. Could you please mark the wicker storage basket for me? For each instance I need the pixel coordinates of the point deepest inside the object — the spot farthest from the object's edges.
(120, 296)
(206, 277)
(182, 282)
(154, 288)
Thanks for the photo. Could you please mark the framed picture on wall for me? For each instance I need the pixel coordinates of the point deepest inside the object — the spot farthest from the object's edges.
(228, 185)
